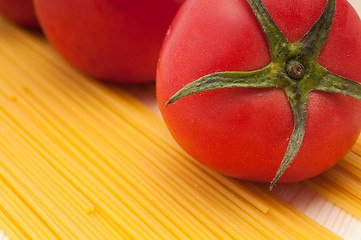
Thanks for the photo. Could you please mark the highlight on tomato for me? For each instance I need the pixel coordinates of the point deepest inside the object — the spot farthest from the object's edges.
(112, 40)
(263, 90)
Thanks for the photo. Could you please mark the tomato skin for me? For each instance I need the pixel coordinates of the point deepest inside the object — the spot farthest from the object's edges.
(113, 40)
(244, 132)
(20, 11)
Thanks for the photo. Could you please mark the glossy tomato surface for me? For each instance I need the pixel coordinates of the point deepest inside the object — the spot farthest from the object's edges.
(114, 40)
(244, 132)
(20, 11)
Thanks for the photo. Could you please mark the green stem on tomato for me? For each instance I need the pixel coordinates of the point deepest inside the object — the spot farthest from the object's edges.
(293, 67)
(262, 78)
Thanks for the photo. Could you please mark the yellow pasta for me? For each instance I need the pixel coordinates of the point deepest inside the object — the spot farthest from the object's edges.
(80, 159)
(342, 183)
(9, 225)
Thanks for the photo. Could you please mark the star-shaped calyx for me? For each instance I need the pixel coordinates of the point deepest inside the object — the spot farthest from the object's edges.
(293, 67)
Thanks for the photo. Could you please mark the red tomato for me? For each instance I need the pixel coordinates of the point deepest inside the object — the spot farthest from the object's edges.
(113, 40)
(244, 132)
(20, 11)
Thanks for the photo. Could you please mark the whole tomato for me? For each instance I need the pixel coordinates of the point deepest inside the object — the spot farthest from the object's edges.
(275, 100)
(114, 40)
(20, 11)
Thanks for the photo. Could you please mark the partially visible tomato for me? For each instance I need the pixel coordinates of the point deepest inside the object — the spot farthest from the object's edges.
(114, 40)
(20, 11)
(244, 132)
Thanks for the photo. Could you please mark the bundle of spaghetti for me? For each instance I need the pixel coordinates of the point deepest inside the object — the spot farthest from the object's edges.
(342, 183)
(83, 160)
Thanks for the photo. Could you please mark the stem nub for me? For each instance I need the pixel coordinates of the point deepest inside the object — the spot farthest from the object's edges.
(295, 70)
